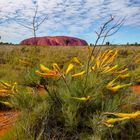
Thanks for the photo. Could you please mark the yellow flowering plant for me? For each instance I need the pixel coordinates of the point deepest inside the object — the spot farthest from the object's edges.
(120, 117)
(74, 106)
(6, 91)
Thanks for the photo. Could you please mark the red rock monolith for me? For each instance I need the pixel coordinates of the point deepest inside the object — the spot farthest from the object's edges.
(54, 41)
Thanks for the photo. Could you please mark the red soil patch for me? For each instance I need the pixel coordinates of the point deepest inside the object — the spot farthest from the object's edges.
(136, 89)
(7, 119)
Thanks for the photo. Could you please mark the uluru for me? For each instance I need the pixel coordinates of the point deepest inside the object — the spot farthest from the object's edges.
(54, 41)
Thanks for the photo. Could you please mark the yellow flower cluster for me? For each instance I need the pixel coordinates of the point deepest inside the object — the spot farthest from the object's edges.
(56, 71)
(121, 116)
(104, 64)
(112, 86)
(8, 104)
(76, 61)
(86, 99)
(103, 61)
(7, 89)
(26, 63)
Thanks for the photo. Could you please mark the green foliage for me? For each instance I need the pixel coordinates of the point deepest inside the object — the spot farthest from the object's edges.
(69, 108)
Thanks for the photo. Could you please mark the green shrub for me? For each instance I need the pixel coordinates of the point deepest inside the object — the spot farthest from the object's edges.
(77, 104)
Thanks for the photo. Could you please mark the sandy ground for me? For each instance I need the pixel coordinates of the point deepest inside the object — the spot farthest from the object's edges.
(136, 89)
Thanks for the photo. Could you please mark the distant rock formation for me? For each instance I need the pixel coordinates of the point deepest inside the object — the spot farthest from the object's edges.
(54, 41)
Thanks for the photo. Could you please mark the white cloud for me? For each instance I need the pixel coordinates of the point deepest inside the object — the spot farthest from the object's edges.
(65, 16)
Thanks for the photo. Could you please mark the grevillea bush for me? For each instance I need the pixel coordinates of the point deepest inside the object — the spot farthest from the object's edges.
(78, 101)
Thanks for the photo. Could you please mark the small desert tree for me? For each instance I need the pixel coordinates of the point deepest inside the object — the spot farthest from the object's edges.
(32, 23)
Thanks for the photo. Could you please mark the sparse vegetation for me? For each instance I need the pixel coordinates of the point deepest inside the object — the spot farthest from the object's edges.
(55, 104)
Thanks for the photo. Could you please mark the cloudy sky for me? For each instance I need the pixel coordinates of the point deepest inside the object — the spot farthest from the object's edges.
(79, 18)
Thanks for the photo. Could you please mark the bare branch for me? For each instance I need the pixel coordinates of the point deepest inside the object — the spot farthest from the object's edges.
(43, 20)
(34, 20)
(28, 27)
(115, 28)
(105, 31)
(102, 30)
(112, 30)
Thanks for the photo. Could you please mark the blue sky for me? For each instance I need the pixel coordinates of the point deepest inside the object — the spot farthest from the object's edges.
(79, 18)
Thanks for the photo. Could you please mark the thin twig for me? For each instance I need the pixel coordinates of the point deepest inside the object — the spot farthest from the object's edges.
(110, 134)
(117, 27)
(102, 29)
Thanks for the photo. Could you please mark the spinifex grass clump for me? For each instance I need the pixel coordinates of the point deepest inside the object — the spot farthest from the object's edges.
(80, 103)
